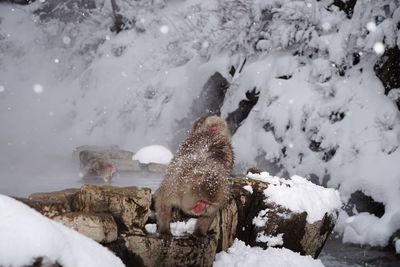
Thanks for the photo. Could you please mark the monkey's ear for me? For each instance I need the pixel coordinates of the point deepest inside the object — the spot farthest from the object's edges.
(199, 122)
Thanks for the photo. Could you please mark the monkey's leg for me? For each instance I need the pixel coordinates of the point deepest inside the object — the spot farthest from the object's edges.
(202, 225)
(163, 213)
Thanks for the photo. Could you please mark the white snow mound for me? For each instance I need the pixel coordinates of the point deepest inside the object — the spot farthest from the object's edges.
(298, 194)
(153, 154)
(27, 235)
(177, 228)
(241, 255)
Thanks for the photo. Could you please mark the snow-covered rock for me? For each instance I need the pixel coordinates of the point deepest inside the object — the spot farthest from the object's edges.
(27, 235)
(300, 195)
(153, 154)
(265, 222)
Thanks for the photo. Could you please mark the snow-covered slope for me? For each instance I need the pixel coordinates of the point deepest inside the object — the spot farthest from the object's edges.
(27, 235)
(67, 80)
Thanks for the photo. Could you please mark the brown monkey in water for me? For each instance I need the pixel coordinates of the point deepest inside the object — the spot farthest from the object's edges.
(95, 165)
(196, 180)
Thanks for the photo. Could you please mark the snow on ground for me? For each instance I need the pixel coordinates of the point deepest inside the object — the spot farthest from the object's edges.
(153, 153)
(177, 228)
(27, 235)
(240, 255)
(300, 195)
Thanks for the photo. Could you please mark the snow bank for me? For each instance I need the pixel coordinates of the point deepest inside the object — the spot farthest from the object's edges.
(240, 255)
(177, 228)
(153, 154)
(300, 195)
(27, 235)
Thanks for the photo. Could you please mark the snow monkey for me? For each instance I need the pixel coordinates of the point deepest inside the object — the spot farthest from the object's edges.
(96, 166)
(196, 180)
(212, 124)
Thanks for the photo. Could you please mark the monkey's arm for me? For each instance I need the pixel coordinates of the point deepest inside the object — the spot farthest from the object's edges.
(204, 222)
(163, 213)
(202, 225)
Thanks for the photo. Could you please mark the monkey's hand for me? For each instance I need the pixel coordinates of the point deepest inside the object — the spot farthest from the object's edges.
(166, 238)
(201, 239)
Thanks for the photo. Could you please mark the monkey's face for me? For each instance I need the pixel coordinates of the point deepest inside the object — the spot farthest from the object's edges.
(200, 207)
(110, 169)
(216, 125)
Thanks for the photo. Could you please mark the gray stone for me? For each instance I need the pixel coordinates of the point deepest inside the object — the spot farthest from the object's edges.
(65, 196)
(129, 205)
(99, 227)
(186, 251)
(48, 208)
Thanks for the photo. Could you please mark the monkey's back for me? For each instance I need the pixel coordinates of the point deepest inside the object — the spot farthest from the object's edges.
(206, 154)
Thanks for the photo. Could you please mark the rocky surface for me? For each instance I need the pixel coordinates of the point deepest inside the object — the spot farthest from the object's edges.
(116, 217)
(298, 234)
(128, 205)
(121, 159)
(99, 227)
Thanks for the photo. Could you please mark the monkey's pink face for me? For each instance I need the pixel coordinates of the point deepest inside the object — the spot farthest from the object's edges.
(213, 129)
(110, 169)
(200, 207)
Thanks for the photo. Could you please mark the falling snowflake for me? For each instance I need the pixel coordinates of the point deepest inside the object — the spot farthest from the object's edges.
(291, 101)
(205, 44)
(379, 48)
(326, 26)
(2, 88)
(56, 60)
(371, 26)
(38, 89)
(164, 29)
(66, 40)
(108, 38)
